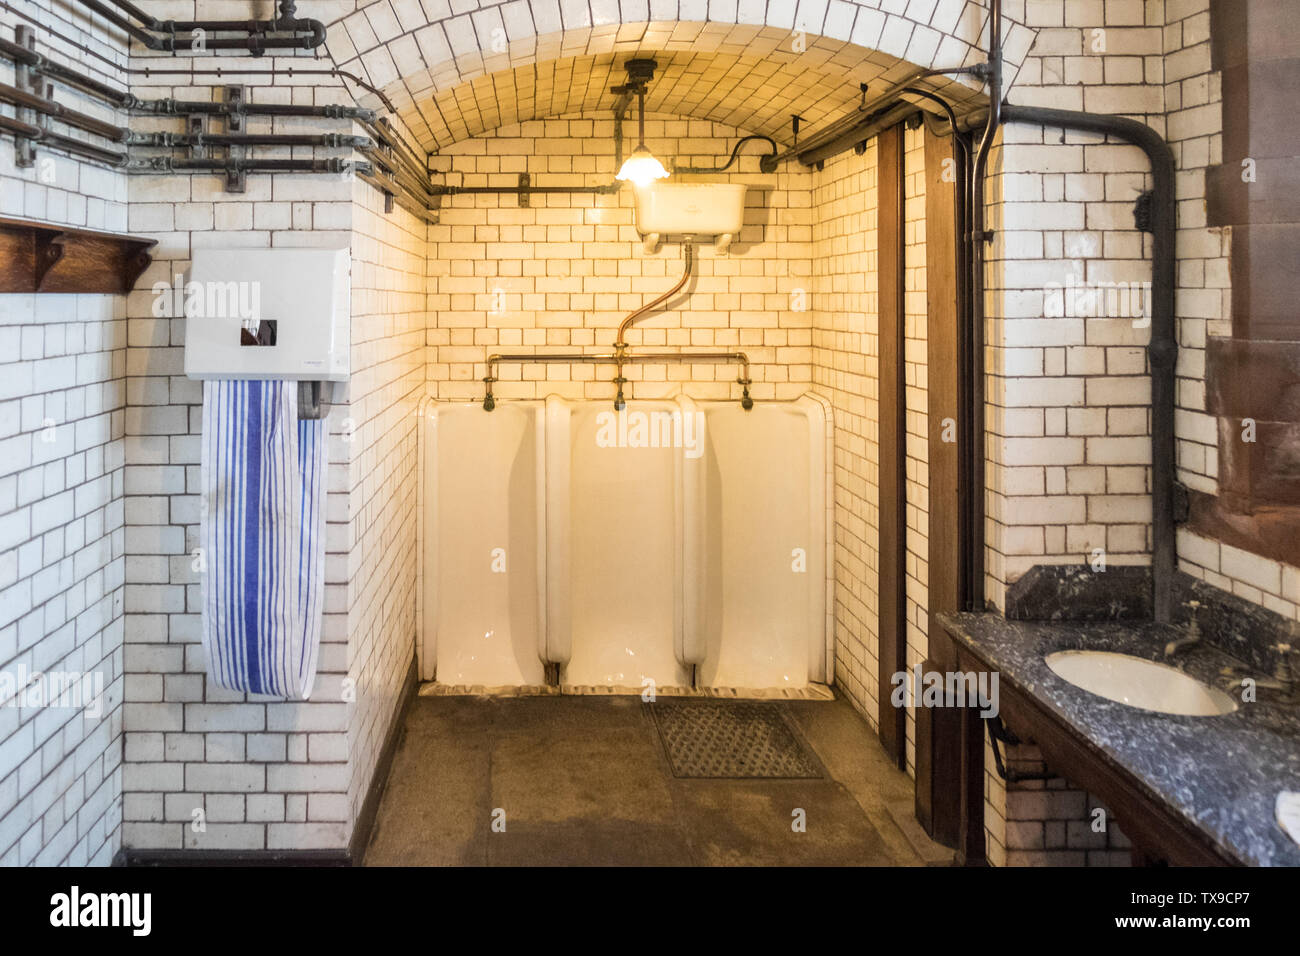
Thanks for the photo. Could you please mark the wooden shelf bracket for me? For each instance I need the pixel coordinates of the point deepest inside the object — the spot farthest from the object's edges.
(44, 257)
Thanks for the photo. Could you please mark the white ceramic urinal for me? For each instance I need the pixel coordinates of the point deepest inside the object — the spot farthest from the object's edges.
(764, 521)
(484, 545)
(624, 552)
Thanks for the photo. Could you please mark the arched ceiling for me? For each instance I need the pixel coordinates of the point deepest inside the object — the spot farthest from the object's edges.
(753, 85)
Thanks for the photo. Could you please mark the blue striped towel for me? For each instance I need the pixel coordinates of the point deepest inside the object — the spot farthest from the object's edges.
(262, 531)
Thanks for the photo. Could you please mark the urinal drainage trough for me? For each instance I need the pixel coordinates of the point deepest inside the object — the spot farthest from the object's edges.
(811, 691)
(726, 740)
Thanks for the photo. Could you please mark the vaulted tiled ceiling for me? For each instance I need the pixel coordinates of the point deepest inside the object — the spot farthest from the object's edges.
(754, 85)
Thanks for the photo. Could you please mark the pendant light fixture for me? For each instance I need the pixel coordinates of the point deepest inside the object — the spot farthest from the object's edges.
(641, 168)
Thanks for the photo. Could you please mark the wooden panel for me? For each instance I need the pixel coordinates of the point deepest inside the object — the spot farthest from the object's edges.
(939, 732)
(943, 373)
(892, 629)
(17, 258)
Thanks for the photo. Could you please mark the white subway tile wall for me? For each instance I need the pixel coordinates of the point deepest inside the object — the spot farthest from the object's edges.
(378, 434)
(63, 544)
(98, 525)
(561, 273)
(916, 486)
(1068, 477)
(1047, 823)
(846, 372)
(1068, 387)
(269, 774)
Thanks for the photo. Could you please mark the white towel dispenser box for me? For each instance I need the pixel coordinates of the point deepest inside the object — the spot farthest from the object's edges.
(268, 314)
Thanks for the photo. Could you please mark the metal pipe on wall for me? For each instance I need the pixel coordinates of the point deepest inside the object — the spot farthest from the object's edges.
(76, 147)
(620, 111)
(688, 253)
(967, 567)
(619, 358)
(408, 183)
(173, 107)
(768, 159)
(168, 106)
(412, 191)
(188, 140)
(160, 35)
(442, 190)
(82, 121)
(285, 22)
(861, 116)
(402, 196)
(149, 71)
(609, 358)
(166, 164)
(384, 133)
(286, 71)
(858, 134)
(1162, 351)
(974, 374)
(416, 187)
(46, 67)
(122, 23)
(127, 136)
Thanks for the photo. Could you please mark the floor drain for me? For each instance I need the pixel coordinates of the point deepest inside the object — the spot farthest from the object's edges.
(732, 740)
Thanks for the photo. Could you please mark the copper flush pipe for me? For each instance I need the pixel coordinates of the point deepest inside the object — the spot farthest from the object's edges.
(620, 344)
(621, 341)
(621, 355)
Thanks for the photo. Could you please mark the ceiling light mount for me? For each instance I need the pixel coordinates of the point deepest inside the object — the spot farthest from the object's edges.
(641, 168)
(640, 71)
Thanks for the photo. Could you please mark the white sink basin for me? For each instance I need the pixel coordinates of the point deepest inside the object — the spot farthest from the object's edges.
(1140, 683)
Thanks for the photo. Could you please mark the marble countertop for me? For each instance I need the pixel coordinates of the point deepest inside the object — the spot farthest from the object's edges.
(1222, 774)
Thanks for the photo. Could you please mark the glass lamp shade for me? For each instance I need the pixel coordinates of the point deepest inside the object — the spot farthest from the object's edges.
(642, 168)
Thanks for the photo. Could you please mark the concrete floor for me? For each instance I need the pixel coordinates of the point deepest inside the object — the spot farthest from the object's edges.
(585, 781)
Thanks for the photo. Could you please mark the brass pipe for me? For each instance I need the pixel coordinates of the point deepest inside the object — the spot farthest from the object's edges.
(619, 358)
(621, 342)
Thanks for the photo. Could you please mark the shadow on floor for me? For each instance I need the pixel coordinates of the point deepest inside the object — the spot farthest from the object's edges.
(587, 781)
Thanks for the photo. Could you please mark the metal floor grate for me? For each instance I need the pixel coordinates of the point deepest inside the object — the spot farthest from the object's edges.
(732, 740)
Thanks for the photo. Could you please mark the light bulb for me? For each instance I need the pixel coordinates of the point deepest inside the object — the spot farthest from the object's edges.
(642, 168)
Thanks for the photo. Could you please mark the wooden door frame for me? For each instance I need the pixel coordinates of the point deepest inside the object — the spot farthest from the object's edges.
(949, 740)
(938, 730)
(949, 778)
(892, 422)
